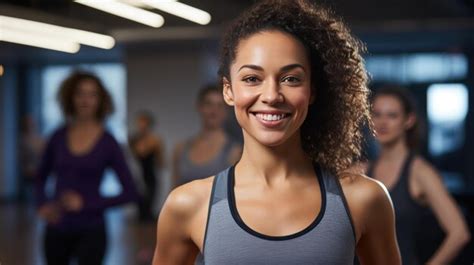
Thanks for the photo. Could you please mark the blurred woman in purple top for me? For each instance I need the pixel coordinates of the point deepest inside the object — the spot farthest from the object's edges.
(77, 155)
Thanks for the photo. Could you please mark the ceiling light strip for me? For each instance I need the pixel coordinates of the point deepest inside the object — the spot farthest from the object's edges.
(36, 40)
(181, 10)
(126, 11)
(53, 31)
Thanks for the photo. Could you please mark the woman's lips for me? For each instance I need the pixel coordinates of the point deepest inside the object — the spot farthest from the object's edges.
(382, 132)
(271, 119)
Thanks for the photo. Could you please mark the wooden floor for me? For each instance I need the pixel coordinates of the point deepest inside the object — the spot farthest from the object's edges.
(129, 242)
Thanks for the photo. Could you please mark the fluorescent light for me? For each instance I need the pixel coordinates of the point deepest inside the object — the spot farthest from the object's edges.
(181, 10)
(53, 31)
(36, 40)
(126, 11)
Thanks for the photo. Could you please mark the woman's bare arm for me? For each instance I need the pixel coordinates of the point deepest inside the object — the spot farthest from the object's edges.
(374, 220)
(182, 222)
(446, 211)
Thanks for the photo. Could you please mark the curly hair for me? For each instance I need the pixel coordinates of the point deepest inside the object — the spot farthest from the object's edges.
(69, 88)
(331, 133)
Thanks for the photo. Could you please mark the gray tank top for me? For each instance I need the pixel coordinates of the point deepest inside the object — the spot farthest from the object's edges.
(330, 239)
(189, 171)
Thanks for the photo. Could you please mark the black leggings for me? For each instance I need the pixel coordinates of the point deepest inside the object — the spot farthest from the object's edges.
(87, 246)
(145, 205)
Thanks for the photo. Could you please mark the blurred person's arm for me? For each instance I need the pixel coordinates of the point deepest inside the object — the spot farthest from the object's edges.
(118, 163)
(44, 170)
(373, 217)
(159, 150)
(47, 209)
(182, 222)
(131, 144)
(175, 175)
(446, 211)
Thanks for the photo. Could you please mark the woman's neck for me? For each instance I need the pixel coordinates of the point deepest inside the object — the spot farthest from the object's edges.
(144, 133)
(84, 123)
(208, 133)
(276, 163)
(395, 151)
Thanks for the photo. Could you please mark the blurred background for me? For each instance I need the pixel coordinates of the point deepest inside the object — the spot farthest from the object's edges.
(160, 62)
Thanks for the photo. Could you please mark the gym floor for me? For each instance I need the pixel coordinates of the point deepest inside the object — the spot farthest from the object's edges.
(129, 242)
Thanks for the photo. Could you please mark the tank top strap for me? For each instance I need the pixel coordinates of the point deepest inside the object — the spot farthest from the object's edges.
(220, 186)
(333, 188)
(405, 171)
(218, 193)
(329, 181)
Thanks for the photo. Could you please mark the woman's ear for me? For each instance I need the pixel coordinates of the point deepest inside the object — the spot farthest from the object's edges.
(410, 122)
(227, 92)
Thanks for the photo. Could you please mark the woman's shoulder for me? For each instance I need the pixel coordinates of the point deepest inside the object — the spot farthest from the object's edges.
(181, 145)
(186, 200)
(422, 167)
(425, 174)
(57, 134)
(61, 130)
(368, 200)
(362, 188)
(359, 167)
(109, 138)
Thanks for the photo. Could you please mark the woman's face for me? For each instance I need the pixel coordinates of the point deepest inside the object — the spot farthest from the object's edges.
(213, 110)
(390, 120)
(142, 123)
(86, 99)
(270, 86)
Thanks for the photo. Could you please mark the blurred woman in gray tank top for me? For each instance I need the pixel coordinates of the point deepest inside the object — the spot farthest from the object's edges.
(295, 77)
(211, 150)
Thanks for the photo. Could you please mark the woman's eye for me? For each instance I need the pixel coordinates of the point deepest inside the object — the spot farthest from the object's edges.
(291, 79)
(250, 79)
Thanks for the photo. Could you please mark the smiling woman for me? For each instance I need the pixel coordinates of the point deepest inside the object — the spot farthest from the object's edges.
(271, 95)
(295, 78)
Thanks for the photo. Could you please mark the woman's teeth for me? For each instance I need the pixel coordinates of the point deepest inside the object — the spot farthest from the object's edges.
(270, 117)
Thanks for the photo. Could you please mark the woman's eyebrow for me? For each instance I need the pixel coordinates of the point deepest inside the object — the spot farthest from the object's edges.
(289, 67)
(251, 66)
(283, 69)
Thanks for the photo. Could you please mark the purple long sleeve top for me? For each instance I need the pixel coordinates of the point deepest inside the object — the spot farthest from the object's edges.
(83, 174)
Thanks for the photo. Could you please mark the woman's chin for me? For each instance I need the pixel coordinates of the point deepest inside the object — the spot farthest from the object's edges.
(272, 139)
(387, 140)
